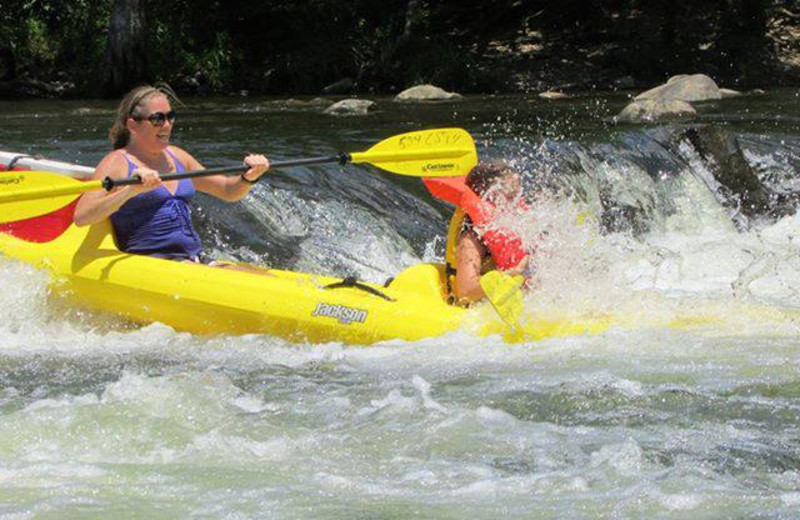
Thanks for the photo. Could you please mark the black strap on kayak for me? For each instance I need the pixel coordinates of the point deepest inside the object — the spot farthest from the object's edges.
(351, 283)
(14, 160)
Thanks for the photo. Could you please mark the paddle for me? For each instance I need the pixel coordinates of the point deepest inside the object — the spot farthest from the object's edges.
(442, 152)
(505, 294)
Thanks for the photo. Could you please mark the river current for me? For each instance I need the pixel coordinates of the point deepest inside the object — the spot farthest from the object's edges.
(689, 408)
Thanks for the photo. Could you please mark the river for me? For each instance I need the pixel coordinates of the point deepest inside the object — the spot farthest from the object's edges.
(103, 419)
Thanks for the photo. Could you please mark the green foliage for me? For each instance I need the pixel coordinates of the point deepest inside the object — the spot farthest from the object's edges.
(39, 46)
(300, 46)
(442, 63)
(214, 61)
(57, 38)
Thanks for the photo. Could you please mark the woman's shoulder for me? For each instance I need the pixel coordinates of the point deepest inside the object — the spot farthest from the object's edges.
(114, 164)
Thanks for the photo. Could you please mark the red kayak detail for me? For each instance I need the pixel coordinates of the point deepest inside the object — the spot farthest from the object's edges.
(42, 228)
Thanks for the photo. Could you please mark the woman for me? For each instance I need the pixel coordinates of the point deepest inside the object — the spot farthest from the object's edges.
(153, 218)
(498, 184)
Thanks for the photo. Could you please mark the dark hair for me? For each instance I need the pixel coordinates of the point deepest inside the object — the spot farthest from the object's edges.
(484, 175)
(131, 106)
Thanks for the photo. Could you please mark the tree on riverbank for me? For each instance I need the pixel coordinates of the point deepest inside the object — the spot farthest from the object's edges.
(125, 58)
(85, 47)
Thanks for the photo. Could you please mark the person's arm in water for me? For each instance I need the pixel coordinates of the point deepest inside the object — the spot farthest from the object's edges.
(228, 188)
(469, 252)
(96, 206)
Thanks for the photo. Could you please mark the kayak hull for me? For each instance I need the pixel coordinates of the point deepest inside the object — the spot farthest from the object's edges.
(91, 272)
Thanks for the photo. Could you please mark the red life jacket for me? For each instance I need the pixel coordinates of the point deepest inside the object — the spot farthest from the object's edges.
(504, 245)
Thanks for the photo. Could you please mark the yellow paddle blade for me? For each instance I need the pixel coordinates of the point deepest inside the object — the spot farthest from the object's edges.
(30, 194)
(443, 152)
(505, 294)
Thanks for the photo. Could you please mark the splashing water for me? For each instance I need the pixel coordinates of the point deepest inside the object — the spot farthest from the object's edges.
(99, 418)
(691, 266)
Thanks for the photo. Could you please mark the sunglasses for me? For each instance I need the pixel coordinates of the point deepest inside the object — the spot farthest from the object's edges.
(159, 118)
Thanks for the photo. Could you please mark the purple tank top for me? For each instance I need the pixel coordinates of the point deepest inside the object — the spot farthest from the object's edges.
(158, 223)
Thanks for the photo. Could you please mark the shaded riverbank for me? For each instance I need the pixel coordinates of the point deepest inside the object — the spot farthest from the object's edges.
(87, 49)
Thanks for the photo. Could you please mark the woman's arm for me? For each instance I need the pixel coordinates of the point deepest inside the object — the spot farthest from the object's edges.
(469, 254)
(96, 206)
(223, 187)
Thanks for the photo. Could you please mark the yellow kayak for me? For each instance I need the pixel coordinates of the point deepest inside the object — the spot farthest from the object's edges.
(89, 270)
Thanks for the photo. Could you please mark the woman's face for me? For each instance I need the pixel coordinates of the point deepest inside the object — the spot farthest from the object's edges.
(153, 127)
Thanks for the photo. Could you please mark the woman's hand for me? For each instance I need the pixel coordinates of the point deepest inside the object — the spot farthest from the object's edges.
(258, 165)
(150, 180)
(520, 267)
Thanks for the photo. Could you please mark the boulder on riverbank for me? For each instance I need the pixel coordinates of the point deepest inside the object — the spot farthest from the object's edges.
(685, 87)
(426, 93)
(655, 110)
(350, 107)
(729, 93)
(671, 101)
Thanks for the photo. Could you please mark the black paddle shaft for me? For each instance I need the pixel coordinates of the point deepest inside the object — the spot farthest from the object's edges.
(342, 158)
